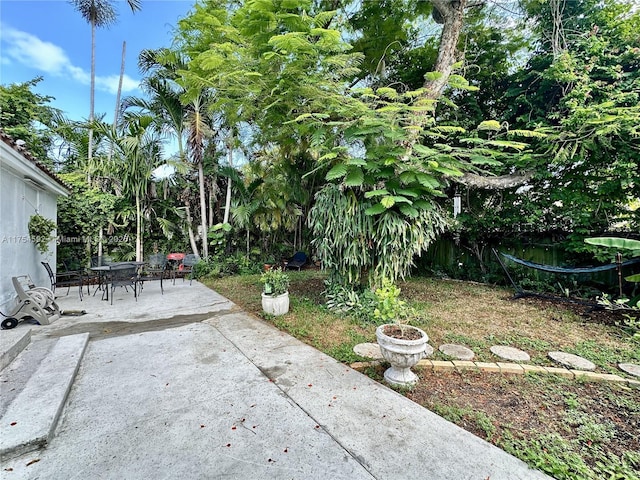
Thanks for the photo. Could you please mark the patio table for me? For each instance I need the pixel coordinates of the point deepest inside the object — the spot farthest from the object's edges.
(102, 271)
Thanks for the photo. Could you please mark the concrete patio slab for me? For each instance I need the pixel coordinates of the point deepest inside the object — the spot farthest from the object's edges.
(182, 402)
(12, 342)
(30, 420)
(180, 304)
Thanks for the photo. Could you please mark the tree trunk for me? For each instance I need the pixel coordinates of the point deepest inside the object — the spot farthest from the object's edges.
(211, 196)
(203, 211)
(227, 204)
(495, 183)
(116, 114)
(192, 238)
(452, 15)
(114, 124)
(138, 230)
(91, 100)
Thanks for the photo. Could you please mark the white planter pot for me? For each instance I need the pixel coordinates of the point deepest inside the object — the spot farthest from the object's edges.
(401, 354)
(275, 305)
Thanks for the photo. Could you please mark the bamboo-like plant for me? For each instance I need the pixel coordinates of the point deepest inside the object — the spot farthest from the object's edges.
(356, 247)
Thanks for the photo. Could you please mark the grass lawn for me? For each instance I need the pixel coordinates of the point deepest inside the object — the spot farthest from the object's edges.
(567, 428)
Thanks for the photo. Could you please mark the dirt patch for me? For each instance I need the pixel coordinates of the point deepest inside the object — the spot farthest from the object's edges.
(588, 312)
(310, 288)
(401, 333)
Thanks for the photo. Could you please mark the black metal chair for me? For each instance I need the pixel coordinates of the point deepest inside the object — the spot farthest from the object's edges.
(101, 261)
(64, 279)
(88, 277)
(125, 275)
(186, 267)
(154, 269)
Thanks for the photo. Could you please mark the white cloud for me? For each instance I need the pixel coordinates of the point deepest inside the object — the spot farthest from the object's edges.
(29, 50)
(110, 83)
(78, 74)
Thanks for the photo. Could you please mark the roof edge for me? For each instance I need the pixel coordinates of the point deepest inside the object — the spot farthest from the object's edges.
(24, 152)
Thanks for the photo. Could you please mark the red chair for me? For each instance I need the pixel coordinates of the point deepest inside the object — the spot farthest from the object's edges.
(174, 260)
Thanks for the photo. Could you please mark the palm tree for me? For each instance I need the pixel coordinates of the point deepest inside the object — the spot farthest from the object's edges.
(98, 13)
(137, 153)
(245, 204)
(198, 131)
(163, 103)
(183, 108)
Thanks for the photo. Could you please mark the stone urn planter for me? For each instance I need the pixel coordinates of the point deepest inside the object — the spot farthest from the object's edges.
(275, 304)
(402, 346)
(275, 293)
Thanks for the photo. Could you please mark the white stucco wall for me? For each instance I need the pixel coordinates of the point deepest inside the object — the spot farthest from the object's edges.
(19, 199)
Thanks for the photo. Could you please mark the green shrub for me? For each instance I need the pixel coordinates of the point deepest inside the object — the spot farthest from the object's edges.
(206, 268)
(222, 265)
(389, 307)
(275, 281)
(358, 304)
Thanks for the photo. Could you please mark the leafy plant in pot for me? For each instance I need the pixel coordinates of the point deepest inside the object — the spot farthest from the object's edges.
(40, 229)
(275, 293)
(401, 345)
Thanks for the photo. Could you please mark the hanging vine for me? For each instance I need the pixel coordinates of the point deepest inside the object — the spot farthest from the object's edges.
(40, 229)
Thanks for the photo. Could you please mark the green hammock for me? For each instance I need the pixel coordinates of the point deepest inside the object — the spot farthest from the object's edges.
(553, 269)
(565, 270)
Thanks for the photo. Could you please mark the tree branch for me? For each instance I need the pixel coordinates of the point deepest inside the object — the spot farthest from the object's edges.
(452, 14)
(495, 183)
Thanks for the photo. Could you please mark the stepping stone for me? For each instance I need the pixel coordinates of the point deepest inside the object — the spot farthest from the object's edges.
(510, 353)
(428, 351)
(368, 350)
(457, 351)
(630, 368)
(571, 361)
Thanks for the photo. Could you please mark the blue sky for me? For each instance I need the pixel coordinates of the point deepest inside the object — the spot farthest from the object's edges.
(49, 38)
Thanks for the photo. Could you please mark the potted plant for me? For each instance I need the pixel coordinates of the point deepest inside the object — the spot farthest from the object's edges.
(401, 345)
(275, 294)
(269, 262)
(40, 229)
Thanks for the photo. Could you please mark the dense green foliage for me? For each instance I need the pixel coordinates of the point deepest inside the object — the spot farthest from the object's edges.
(305, 125)
(26, 116)
(585, 96)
